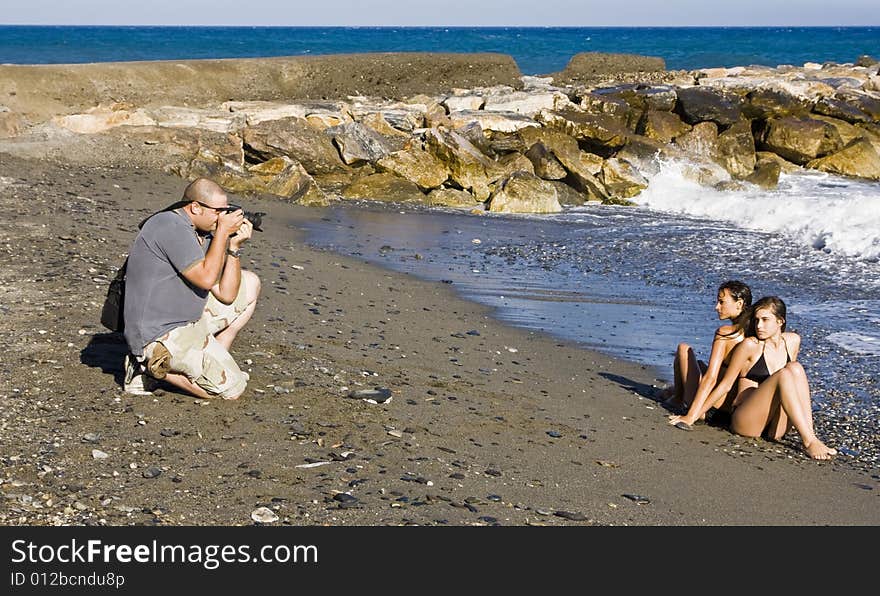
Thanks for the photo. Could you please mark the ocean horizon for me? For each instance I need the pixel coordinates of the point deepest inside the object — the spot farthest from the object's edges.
(537, 50)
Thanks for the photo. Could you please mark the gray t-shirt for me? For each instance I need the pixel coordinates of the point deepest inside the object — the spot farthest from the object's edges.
(157, 297)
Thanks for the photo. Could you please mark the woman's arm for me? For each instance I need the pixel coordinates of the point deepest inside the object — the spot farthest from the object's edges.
(738, 360)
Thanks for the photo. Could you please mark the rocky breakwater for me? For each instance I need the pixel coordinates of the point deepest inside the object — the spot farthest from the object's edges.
(530, 145)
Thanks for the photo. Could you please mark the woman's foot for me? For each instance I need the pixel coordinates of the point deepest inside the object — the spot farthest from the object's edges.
(819, 450)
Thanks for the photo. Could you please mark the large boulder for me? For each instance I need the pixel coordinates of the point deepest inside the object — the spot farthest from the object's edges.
(295, 138)
(785, 166)
(467, 165)
(545, 163)
(568, 195)
(377, 122)
(415, 165)
(836, 108)
(701, 141)
(522, 192)
(462, 103)
(280, 176)
(662, 126)
(696, 104)
(641, 97)
(735, 150)
(582, 167)
(523, 103)
(764, 103)
(510, 163)
(765, 174)
(600, 131)
(622, 179)
(102, 118)
(186, 117)
(452, 197)
(617, 108)
(11, 123)
(359, 144)
(800, 139)
(491, 121)
(384, 187)
(858, 159)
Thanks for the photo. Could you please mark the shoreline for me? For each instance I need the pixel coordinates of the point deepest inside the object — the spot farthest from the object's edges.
(470, 419)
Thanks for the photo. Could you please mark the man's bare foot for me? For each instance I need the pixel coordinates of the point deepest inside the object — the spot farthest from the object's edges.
(819, 450)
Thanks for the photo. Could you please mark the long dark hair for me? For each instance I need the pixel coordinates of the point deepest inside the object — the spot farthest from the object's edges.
(739, 291)
(774, 304)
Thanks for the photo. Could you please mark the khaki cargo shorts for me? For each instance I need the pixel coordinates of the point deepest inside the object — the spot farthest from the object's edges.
(192, 350)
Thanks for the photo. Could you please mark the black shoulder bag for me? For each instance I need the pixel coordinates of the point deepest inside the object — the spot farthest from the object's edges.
(112, 314)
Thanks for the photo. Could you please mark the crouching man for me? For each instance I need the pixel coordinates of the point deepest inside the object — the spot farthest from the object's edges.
(187, 297)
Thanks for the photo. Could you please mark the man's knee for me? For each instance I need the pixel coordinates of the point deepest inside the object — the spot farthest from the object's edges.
(252, 285)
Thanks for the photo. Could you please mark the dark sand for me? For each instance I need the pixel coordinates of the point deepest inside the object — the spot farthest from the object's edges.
(465, 440)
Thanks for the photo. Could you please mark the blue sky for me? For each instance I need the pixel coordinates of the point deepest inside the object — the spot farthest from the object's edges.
(584, 13)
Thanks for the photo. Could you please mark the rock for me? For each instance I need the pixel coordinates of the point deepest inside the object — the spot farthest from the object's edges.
(379, 124)
(263, 515)
(294, 138)
(377, 395)
(622, 179)
(858, 159)
(835, 108)
(644, 152)
(384, 187)
(91, 438)
(602, 101)
(800, 139)
(765, 174)
(571, 515)
(415, 165)
(467, 165)
(662, 126)
(785, 166)
(358, 144)
(697, 105)
(494, 121)
(600, 131)
(459, 103)
(186, 117)
(510, 163)
(706, 173)
(11, 123)
(151, 472)
(524, 103)
(569, 196)
(866, 61)
(102, 118)
(98, 454)
(522, 192)
(582, 167)
(701, 141)
(280, 176)
(639, 499)
(545, 164)
(735, 150)
(642, 98)
(847, 131)
(257, 111)
(452, 197)
(867, 103)
(764, 103)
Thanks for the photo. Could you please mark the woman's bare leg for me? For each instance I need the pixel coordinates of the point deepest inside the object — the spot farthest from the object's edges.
(687, 374)
(758, 407)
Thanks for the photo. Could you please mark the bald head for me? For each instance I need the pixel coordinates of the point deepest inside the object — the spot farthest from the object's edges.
(204, 191)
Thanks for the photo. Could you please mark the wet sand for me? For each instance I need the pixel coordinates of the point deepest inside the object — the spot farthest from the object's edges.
(487, 425)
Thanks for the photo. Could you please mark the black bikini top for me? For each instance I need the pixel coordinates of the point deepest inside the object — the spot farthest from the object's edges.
(759, 371)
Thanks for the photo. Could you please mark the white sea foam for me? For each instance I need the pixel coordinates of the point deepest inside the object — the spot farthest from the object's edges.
(826, 212)
(868, 345)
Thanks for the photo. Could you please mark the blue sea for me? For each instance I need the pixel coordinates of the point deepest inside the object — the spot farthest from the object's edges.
(629, 281)
(537, 50)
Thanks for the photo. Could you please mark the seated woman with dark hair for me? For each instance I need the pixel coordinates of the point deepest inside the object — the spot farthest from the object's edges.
(773, 393)
(694, 380)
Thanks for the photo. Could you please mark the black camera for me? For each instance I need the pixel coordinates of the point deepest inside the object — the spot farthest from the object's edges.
(255, 217)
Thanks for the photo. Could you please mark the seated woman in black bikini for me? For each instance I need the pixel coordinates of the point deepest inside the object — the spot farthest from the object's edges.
(772, 394)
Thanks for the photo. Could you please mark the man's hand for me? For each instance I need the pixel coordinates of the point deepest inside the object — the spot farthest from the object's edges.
(244, 232)
(229, 222)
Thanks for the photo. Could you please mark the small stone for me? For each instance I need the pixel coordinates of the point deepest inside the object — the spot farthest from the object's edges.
(571, 515)
(639, 499)
(263, 515)
(396, 433)
(554, 434)
(91, 438)
(378, 395)
(98, 454)
(491, 472)
(152, 472)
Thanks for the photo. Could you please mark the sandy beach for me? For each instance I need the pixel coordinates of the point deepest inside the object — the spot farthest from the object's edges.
(487, 424)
